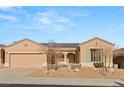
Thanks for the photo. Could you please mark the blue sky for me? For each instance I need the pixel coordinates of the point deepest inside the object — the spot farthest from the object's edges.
(62, 24)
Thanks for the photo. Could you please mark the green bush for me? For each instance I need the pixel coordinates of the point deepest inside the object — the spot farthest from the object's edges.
(64, 65)
(75, 66)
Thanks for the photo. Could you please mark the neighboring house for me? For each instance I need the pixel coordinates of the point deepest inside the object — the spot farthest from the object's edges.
(27, 53)
(119, 57)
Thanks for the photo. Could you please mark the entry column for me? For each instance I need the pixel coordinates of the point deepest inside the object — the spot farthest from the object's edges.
(65, 57)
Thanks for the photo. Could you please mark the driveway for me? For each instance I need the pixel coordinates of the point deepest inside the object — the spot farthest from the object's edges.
(16, 76)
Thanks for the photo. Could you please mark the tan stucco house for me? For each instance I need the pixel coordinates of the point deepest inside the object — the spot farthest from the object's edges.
(28, 53)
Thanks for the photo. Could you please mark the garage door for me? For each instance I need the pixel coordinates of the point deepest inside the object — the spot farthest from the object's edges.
(28, 60)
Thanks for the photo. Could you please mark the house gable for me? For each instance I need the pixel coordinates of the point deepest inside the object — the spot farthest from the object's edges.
(96, 42)
(26, 45)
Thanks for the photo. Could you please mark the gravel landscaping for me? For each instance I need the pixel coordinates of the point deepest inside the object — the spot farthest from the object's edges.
(89, 73)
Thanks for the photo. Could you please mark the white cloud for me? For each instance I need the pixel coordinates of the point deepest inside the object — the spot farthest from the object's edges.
(59, 21)
(12, 13)
(45, 20)
(5, 8)
(12, 9)
(8, 17)
(53, 21)
(49, 20)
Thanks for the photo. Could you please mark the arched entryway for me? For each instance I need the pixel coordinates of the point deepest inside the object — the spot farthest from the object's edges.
(71, 57)
(2, 56)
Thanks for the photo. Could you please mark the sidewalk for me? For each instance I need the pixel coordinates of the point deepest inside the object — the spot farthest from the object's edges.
(62, 81)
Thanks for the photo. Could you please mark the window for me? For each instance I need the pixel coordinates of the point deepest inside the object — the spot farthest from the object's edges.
(61, 57)
(95, 55)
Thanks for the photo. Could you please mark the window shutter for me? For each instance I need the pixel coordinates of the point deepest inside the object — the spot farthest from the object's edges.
(105, 56)
(88, 55)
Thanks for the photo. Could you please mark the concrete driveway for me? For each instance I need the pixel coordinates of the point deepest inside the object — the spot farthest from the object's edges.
(17, 76)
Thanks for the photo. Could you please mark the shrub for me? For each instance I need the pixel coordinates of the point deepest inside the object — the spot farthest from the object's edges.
(97, 65)
(75, 66)
(65, 65)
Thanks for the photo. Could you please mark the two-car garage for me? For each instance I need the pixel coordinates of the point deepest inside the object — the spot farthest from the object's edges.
(34, 60)
(26, 54)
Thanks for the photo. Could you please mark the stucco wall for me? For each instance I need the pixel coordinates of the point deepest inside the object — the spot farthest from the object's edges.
(92, 44)
(25, 46)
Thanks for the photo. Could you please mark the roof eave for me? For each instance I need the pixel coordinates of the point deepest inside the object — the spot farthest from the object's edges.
(98, 39)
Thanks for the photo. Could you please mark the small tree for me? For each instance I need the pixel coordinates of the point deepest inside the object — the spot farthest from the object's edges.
(52, 56)
(107, 55)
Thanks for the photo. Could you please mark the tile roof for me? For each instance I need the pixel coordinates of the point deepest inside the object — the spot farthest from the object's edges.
(24, 40)
(70, 45)
(1, 45)
(63, 45)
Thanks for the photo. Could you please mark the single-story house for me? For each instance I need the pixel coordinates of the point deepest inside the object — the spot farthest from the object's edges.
(28, 53)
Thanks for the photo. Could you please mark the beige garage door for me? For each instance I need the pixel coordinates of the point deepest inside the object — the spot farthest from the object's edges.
(28, 60)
